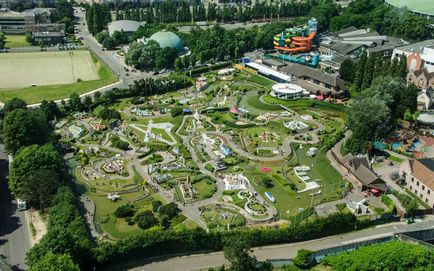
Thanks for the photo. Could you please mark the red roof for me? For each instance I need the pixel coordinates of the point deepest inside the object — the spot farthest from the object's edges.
(234, 110)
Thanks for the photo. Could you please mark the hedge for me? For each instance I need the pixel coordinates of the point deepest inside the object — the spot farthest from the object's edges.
(159, 243)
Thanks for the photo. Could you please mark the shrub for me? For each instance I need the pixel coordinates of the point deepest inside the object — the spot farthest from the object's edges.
(145, 219)
(155, 205)
(124, 211)
(303, 259)
(341, 206)
(170, 209)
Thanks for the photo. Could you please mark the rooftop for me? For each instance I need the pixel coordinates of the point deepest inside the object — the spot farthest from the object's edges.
(416, 47)
(298, 70)
(423, 170)
(125, 25)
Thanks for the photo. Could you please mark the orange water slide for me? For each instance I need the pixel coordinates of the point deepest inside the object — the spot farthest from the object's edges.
(293, 49)
(302, 44)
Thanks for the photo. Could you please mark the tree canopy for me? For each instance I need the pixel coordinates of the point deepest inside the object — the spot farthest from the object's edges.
(391, 256)
(36, 173)
(55, 262)
(23, 127)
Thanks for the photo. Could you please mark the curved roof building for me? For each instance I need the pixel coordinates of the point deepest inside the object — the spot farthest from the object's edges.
(424, 7)
(127, 26)
(168, 39)
(287, 91)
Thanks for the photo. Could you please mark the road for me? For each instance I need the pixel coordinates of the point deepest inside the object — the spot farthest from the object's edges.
(285, 251)
(15, 236)
(111, 58)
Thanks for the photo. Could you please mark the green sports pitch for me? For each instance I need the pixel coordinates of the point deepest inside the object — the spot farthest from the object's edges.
(419, 6)
(20, 70)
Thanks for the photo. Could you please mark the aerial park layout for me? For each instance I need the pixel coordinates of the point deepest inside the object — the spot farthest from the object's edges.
(295, 44)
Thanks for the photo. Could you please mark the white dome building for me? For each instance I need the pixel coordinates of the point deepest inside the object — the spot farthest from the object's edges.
(287, 91)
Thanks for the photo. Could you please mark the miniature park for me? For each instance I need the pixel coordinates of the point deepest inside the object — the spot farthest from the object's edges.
(243, 150)
(239, 148)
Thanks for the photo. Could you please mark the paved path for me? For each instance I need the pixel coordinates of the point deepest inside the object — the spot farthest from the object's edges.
(15, 236)
(285, 251)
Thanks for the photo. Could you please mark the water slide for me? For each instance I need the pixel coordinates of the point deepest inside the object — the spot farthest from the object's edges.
(299, 44)
(296, 39)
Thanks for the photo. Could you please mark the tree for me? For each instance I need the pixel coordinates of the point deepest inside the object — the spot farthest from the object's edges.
(368, 119)
(165, 58)
(50, 110)
(55, 262)
(124, 211)
(368, 74)
(2, 40)
(360, 70)
(303, 259)
(66, 233)
(179, 64)
(237, 252)
(347, 70)
(407, 100)
(64, 9)
(69, 25)
(15, 103)
(177, 111)
(74, 102)
(120, 37)
(22, 128)
(156, 204)
(145, 219)
(170, 209)
(36, 173)
(41, 43)
(109, 43)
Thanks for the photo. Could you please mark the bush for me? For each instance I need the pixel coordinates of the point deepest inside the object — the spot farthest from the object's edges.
(266, 182)
(155, 205)
(145, 219)
(118, 143)
(124, 211)
(303, 259)
(170, 209)
(341, 206)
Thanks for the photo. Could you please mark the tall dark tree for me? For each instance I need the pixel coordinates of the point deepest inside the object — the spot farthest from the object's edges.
(347, 70)
(14, 103)
(360, 71)
(22, 128)
(64, 9)
(36, 173)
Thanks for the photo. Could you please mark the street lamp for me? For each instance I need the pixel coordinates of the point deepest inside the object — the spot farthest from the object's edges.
(72, 66)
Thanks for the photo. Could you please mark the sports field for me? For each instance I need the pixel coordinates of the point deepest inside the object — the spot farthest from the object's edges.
(20, 70)
(419, 6)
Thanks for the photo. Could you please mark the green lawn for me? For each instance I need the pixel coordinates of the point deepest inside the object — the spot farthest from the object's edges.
(161, 132)
(56, 92)
(13, 41)
(204, 189)
(289, 201)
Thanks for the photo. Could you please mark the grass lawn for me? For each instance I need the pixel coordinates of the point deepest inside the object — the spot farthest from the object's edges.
(251, 102)
(13, 41)
(61, 91)
(161, 132)
(204, 189)
(288, 201)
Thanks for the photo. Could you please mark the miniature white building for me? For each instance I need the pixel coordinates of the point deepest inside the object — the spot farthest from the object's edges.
(235, 182)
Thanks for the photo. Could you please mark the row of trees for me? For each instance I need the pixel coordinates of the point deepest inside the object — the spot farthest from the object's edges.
(362, 73)
(97, 17)
(387, 256)
(190, 11)
(2, 40)
(385, 19)
(373, 115)
(38, 176)
(148, 56)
